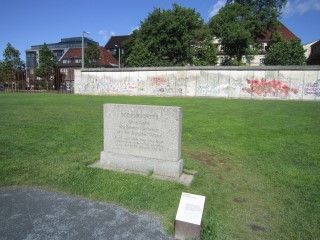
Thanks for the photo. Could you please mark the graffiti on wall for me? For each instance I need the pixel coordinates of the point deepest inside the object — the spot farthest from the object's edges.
(273, 88)
(140, 85)
(86, 85)
(180, 85)
(158, 81)
(174, 83)
(203, 89)
(130, 85)
(312, 88)
(162, 86)
(110, 85)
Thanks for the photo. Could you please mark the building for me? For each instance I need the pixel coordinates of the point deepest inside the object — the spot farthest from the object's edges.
(116, 42)
(263, 43)
(58, 49)
(116, 45)
(313, 52)
(72, 60)
(307, 48)
(68, 53)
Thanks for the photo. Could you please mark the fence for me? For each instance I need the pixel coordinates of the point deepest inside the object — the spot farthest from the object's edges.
(291, 83)
(26, 81)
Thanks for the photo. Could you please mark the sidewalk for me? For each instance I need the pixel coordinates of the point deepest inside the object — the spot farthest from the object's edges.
(29, 213)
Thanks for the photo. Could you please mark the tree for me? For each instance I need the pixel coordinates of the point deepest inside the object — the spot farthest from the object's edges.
(11, 63)
(264, 13)
(285, 53)
(234, 29)
(169, 38)
(241, 22)
(48, 64)
(137, 53)
(275, 38)
(91, 56)
(205, 54)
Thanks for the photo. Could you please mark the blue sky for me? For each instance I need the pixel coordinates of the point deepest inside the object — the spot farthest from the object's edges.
(31, 22)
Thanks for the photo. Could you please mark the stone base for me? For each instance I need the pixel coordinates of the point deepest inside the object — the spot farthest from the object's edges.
(185, 231)
(172, 169)
(185, 179)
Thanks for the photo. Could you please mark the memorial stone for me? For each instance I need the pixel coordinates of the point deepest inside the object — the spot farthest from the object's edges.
(143, 138)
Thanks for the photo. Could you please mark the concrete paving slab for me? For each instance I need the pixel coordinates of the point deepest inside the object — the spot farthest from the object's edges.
(31, 213)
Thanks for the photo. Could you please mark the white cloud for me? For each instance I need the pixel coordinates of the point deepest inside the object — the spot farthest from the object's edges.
(134, 28)
(216, 7)
(301, 7)
(102, 32)
(105, 34)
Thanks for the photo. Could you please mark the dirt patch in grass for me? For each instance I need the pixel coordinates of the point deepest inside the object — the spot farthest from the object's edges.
(228, 169)
(221, 178)
(223, 161)
(255, 227)
(205, 158)
(239, 200)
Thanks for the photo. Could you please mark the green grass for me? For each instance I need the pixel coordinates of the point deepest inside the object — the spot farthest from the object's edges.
(258, 162)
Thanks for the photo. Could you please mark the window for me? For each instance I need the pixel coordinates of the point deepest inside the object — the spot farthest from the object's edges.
(78, 60)
(65, 61)
(221, 60)
(261, 60)
(263, 46)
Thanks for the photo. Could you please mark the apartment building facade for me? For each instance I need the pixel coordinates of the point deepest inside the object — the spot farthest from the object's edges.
(68, 53)
(262, 43)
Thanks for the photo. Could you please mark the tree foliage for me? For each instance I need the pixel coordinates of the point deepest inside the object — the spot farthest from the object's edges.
(174, 37)
(47, 63)
(264, 13)
(241, 22)
(205, 54)
(285, 53)
(11, 63)
(91, 56)
(234, 28)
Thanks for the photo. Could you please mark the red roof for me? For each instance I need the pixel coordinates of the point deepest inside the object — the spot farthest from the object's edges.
(106, 59)
(116, 40)
(283, 30)
(72, 53)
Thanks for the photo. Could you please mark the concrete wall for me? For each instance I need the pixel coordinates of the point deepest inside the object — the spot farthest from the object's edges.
(297, 83)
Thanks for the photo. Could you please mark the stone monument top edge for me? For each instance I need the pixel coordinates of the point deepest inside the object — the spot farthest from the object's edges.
(140, 105)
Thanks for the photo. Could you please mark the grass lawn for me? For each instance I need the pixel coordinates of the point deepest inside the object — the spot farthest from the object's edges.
(258, 162)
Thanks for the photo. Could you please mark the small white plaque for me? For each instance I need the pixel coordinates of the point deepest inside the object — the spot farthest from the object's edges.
(190, 208)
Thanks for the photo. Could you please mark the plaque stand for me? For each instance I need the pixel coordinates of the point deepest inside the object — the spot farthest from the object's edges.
(189, 215)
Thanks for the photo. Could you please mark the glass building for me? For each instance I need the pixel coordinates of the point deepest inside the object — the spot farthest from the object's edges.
(58, 49)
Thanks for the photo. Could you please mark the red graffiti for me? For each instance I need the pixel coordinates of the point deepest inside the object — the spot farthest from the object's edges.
(273, 88)
(157, 81)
